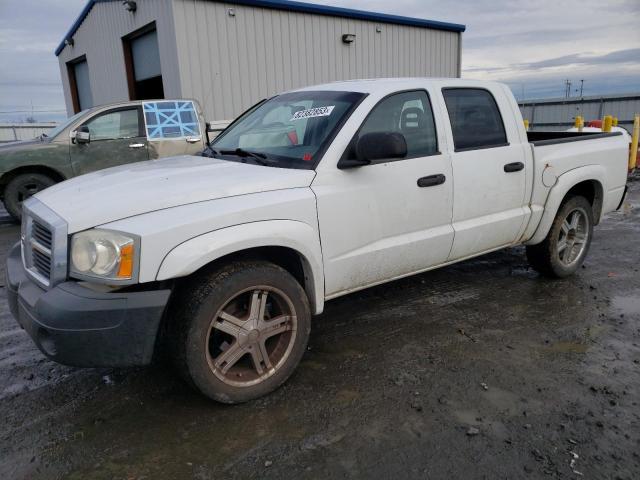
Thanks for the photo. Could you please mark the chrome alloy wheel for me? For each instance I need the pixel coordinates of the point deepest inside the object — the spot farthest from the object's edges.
(251, 336)
(574, 236)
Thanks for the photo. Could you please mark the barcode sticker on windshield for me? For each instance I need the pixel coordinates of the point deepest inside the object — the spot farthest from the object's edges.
(313, 112)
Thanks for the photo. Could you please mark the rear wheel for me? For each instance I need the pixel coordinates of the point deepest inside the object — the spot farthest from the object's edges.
(240, 331)
(22, 187)
(564, 249)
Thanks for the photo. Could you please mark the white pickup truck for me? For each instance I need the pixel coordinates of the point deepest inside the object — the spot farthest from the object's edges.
(222, 259)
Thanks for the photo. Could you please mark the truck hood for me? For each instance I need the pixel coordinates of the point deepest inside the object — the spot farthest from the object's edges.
(116, 193)
(22, 145)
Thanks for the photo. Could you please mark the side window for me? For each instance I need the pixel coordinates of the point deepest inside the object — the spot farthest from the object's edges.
(475, 118)
(113, 125)
(410, 114)
(170, 120)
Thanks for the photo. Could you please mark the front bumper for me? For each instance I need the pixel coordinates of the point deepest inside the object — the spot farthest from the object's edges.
(74, 325)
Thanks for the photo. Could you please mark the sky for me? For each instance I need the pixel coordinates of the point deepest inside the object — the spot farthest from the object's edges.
(533, 46)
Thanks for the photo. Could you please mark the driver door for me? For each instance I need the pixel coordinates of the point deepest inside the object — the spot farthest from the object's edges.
(116, 137)
(390, 218)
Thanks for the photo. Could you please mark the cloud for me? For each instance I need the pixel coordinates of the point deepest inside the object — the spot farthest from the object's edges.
(535, 45)
(631, 55)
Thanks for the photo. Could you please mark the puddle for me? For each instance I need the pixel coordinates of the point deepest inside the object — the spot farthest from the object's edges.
(627, 305)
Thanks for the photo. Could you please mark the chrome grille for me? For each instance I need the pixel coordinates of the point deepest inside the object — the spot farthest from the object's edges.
(42, 235)
(42, 263)
(44, 244)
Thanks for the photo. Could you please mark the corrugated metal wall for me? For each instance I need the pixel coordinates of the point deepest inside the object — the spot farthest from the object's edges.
(100, 39)
(557, 114)
(230, 62)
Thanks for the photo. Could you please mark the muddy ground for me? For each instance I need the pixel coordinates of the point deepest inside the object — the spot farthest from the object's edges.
(479, 370)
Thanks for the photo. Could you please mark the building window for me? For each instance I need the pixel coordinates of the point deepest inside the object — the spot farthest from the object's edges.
(142, 64)
(79, 84)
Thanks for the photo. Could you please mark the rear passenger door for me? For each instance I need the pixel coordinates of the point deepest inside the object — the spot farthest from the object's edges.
(173, 128)
(488, 172)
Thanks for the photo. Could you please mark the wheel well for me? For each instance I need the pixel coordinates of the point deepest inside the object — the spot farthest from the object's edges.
(592, 191)
(287, 258)
(7, 177)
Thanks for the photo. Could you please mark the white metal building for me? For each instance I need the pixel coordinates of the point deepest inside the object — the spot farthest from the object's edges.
(560, 113)
(230, 54)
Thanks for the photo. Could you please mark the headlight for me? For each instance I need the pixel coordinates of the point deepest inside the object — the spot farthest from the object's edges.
(104, 255)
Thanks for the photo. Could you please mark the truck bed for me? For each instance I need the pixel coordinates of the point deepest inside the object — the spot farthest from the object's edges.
(540, 138)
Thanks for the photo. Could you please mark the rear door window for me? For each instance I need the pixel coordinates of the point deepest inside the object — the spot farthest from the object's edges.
(170, 120)
(475, 119)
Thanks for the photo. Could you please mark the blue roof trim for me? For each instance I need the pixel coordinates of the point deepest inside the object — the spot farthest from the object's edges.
(294, 6)
(83, 14)
(349, 13)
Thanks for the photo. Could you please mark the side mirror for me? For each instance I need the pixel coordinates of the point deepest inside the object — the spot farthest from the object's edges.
(207, 129)
(83, 135)
(376, 146)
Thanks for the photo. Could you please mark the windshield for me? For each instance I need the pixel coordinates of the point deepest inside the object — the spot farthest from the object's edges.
(52, 133)
(290, 130)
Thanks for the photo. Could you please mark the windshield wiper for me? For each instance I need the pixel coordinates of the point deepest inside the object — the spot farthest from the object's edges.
(257, 156)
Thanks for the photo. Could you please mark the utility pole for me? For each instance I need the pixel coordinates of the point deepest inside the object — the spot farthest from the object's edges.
(567, 88)
(581, 87)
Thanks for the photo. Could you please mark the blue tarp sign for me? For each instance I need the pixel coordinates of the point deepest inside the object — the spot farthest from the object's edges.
(170, 120)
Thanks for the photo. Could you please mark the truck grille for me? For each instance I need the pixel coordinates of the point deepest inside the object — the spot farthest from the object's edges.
(41, 241)
(44, 244)
(42, 235)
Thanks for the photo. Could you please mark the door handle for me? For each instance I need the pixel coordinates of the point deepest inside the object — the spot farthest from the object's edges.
(136, 145)
(192, 139)
(432, 180)
(514, 167)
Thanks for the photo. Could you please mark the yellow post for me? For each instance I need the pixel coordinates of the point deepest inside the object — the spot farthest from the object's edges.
(579, 123)
(615, 121)
(633, 151)
(606, 124)
(526, 124)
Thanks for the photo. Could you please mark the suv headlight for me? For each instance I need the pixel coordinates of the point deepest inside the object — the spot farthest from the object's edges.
(111, 257)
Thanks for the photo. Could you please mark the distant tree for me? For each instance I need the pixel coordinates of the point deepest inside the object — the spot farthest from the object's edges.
(30, 120)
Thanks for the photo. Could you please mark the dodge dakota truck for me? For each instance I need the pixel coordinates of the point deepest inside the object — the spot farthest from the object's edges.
(221, 260)
(98, 138)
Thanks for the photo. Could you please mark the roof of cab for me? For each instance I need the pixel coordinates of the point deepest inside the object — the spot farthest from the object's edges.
(386, 85)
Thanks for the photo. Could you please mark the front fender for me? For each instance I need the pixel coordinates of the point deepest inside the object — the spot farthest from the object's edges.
(564, 183)
(197, 252)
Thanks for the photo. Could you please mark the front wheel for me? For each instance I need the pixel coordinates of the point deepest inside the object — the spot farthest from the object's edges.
(564, 249)
(240, 331)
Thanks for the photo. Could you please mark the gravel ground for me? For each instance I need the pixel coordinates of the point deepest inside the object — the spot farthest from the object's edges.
(478, 370)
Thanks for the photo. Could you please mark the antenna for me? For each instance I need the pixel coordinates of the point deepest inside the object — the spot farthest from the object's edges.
(567, 88)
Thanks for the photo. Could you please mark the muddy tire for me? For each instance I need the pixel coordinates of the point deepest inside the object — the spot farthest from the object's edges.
(22, 187)
(564, 249)
(238, 332)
